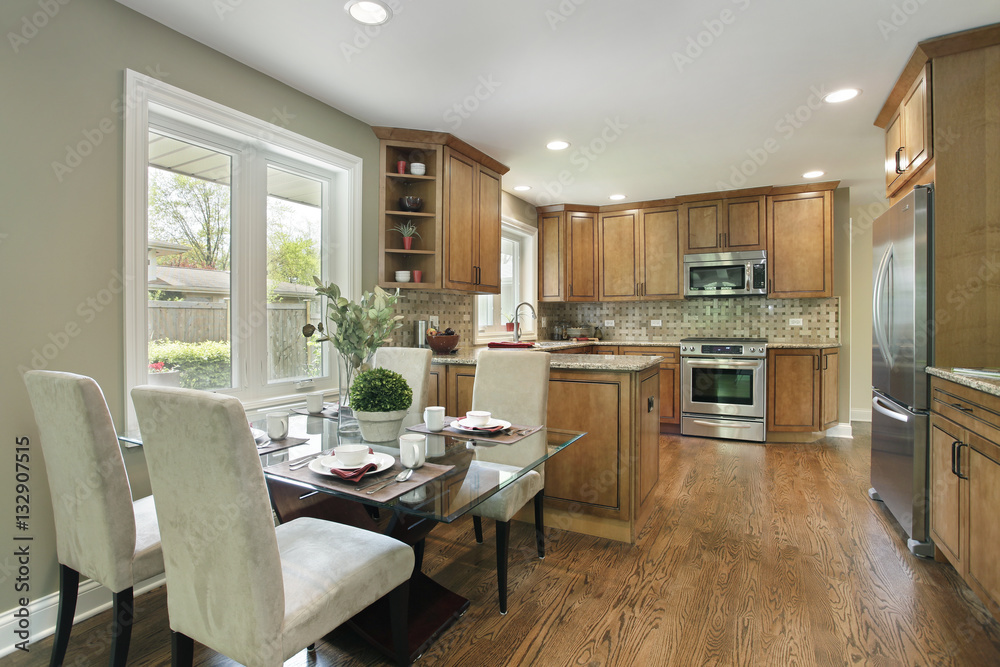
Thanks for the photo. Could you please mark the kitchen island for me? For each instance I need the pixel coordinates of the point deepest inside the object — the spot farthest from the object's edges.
(606, 487)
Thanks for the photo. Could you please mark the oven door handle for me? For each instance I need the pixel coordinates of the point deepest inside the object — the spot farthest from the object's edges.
(724, 364)
(701, 422)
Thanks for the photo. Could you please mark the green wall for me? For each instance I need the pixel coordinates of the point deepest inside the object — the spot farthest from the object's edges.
(61, 233)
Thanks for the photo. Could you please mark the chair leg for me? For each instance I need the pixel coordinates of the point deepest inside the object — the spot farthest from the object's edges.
(121, 626)
(503, 533)
(69, 583)
(418, 555)
(181, 650)
(539, 524)
(399, 612)
(477, 525)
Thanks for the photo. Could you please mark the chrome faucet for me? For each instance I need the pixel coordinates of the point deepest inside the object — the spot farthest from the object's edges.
(517, 322)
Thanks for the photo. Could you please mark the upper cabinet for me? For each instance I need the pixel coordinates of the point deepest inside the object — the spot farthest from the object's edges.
(567, 254)
(908, 135)
(724, 225)
(457, 218)
(639, 253)
(551, 256)
(800, 245)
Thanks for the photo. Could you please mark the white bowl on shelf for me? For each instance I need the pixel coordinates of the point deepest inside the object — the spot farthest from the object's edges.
(417, 168)
(402, 276)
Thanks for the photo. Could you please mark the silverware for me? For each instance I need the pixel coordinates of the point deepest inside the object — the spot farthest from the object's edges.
(302, 463)
(401, 477)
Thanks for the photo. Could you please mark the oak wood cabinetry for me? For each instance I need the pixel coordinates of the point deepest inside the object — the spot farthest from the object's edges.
(459, 221)
(567, 254)
(800, 244)
(639, 254)
(802, 393)
(670, 380)
(604, 486)
(965, 484)
(724, 225)
(908, 136)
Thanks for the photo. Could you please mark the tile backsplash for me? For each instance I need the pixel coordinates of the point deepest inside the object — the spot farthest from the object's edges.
(756, 317)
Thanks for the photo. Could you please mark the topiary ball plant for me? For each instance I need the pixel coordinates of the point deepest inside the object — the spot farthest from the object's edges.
(380, 390)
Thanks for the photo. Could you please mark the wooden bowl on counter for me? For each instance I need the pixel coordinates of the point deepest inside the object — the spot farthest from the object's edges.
(442, 344)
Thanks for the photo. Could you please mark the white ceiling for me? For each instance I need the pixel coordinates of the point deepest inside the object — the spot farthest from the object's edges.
(605, 75)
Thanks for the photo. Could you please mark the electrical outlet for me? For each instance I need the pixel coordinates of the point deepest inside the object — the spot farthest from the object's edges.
(795, 322)
(656, 323)
(609, 323)
(434, 321)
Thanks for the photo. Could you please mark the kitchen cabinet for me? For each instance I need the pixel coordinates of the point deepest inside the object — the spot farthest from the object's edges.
(639, 254)
(800, 244)
(436, 393)
(471, 225)
(965, 485)
(724, 225)
(670, 381)
(802, 389)
(568, 253)
(581, 256)
(908, 135)
(605, 485)
(458, 221)
(551, 256)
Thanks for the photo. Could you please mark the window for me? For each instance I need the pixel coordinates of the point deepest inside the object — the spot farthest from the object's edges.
(227, 219)
(517, 284)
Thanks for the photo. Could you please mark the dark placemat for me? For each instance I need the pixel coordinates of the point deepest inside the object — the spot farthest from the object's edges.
(421, 476)
(507, 436)
(278, 445)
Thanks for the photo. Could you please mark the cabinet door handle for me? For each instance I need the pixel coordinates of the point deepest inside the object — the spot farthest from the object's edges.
(898, 151)
(958, 461)
(817, 362)
(954, 456)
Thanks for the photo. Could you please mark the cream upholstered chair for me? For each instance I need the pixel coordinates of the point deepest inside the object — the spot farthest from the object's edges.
(513, 386)
(237, 584)
(414, 364)
(100, 532)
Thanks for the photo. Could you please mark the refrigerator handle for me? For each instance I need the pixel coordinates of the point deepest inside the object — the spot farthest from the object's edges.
(877, 304)
(878, 406)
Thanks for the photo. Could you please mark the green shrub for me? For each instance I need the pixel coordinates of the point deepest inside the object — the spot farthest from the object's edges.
(202, 365)
(380, 390)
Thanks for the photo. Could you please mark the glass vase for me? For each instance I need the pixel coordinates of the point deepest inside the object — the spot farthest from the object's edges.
(347, 423)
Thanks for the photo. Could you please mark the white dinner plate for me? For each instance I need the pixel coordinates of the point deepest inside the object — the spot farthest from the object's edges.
(323, 464)
(490, 427)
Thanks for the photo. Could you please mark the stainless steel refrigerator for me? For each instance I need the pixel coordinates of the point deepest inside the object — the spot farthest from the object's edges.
(902, 347)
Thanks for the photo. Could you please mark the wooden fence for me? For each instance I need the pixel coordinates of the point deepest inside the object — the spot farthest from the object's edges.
(196, 321)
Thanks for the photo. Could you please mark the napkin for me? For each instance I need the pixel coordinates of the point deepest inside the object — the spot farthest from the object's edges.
(507, 343)
(353, 475)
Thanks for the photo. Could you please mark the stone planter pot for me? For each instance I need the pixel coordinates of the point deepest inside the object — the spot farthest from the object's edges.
(380, 426)
(165, 379)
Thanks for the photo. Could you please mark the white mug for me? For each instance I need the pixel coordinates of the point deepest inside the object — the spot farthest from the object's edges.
(435, 446)
(434, 418)
(314, 402)
(277, 425)
(412, 450)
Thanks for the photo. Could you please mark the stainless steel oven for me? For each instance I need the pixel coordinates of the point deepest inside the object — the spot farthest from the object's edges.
(723, 387)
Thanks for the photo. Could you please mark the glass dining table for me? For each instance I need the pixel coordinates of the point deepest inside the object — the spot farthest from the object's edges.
(461, 471)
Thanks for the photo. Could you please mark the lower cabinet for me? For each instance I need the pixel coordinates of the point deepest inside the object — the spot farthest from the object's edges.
(965, 485)
(802, 389)
(602, 486)
(670, 380)
(435, 386)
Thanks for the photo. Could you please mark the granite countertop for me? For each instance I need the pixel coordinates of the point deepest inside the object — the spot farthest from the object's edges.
(590, 362)
(986, 385)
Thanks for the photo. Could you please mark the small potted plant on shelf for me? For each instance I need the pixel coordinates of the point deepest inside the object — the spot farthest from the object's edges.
(408, 230)
(380, 399)
(510, 321)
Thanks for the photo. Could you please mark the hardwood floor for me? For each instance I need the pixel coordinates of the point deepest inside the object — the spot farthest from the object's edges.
(756, 554)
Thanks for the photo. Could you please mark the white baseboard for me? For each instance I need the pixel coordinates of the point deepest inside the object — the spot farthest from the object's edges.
(841, 430)
(861, 414)
(42, 613)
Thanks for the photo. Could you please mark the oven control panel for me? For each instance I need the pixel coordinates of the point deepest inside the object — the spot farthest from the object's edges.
(731, 349)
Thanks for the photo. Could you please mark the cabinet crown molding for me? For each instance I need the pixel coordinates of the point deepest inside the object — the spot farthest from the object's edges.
(443, 138)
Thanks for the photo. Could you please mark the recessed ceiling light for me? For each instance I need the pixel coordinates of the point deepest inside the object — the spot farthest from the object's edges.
(841, 95)
(369, 12)
(558, 145)
(813, 174)
(522, 188)
(616, 197)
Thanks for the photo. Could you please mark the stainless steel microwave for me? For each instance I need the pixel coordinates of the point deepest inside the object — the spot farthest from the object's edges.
(726, 274)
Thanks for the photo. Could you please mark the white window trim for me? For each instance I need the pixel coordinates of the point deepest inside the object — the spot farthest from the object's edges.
(141, 91)
(529, 283)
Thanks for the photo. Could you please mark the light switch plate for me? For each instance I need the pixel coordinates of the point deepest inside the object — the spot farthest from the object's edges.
(795, 322)
(434, 321)
(656, 323)
(609, 323)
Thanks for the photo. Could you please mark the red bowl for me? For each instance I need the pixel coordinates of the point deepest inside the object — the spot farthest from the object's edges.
(442, 344)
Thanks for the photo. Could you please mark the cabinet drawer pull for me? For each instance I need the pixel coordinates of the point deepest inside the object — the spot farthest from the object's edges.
(959, 406)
